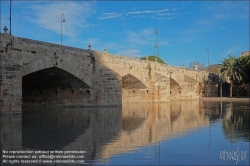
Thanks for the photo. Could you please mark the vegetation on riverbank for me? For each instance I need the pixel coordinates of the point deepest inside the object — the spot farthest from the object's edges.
(236, 71)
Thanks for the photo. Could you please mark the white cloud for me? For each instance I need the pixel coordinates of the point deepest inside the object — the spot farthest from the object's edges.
(229, 10)
(141, 37)
(133, 53)
(110, 16)
(165, 14)
(144, 37)
(162, 14)
(147, 11)
(48, 16)
(164, 18)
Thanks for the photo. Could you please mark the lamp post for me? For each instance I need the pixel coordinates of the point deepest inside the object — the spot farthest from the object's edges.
(10, 15)
(62, 20)
(207, 50)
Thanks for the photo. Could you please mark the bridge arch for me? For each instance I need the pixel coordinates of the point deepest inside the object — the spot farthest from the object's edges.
(133, 90)
(46, 83)
(175, 88)
(131, 82)
(135, 76)
(46, 63)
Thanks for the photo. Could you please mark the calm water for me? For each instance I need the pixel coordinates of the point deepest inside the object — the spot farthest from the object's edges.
(181, 132)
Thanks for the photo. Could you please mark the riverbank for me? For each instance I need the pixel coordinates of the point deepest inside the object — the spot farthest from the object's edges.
(224, 99)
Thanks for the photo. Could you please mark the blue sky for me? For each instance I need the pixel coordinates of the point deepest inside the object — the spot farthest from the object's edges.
(185, 28)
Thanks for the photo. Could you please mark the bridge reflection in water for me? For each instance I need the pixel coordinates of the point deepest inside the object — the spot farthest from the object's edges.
(107, 131)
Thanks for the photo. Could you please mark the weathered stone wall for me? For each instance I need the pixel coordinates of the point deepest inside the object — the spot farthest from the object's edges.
(156, 78)
(33, 57)
(10, 86)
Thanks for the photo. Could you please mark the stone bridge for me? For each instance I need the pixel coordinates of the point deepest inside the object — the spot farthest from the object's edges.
(34, 72)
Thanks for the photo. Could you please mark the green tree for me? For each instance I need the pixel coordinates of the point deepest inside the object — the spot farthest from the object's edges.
(245, 61)
(233, 70)
(152, 58)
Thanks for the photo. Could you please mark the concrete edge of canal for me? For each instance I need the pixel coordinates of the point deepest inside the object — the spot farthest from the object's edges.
(224, 99)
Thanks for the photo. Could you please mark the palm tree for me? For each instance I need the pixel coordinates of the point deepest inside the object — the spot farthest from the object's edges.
(233, 70)
(245, 60)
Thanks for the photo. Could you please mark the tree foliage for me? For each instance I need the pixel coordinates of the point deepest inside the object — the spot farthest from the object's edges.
(214, 69)
(245, 61)
(152, 58)
(233, 70)
(201, 66)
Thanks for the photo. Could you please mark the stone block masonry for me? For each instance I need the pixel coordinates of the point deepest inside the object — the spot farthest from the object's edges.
(40, 73)
(10, 86)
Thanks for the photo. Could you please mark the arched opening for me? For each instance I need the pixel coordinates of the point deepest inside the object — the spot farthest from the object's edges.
(131, 82)
(133, 89)
(175, 89)
(53, 86)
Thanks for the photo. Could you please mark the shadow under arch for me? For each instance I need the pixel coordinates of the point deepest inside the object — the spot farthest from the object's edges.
(46, 63)
(133, 90)
(131, 82)
(53, 86)
(175, 89)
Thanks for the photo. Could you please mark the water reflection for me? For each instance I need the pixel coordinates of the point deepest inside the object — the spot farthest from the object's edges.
(234, 116)
(105, 132)
(237, 125)
(52, 128)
